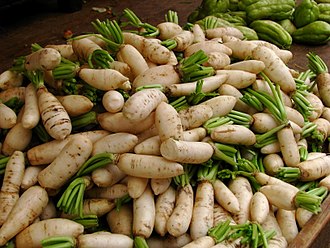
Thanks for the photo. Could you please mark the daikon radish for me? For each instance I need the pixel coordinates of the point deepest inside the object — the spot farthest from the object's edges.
(30, 177)
(251, 65)
(271, 224)
(317, 106)
(10, 79)
(218, 32)
(164, 206)
(63, 167)
(76, 104)
(65, 50)
(241, 188)
(325, 182)
(148, 166)
(168, 122)
(221, 105)
(107, 175)
(136, 186)
(10, 189)
(271, 148)
(104, 240)
(263, 122)
(207, 46)
(131, 56)
(272, 163)
(45, 153)
(221, 215)
(202, 216)
(113, 101)
(294, 116)
(18, 138)
(289, 147)
(31, 115)
(104, 79)
(168, 29)
(287, 222)
(165, 75)
(198, 32)
(115, 143)
(150, 146)
(227, 89)
(195, 134)
(28, 207)
(97, 206)
(35, 233)
(284, 54)
(225, 197)
(262, 85)
(49, 211)
(259, 207)
(217, 60)
(195, 116)
(201, 242)
(144, 214)
(314, 169)
(120, 220)
(303, 216)
(139, 106)
(280, 196)
(265, 179)
(192, 152)
(18, 92)
(112, 192)
(183, 40)
(160, 185)
(154, 51)
(43, 59)
(123, 68)
(233, 134)
(238, 78)
(275, 68)
(8, 117)
(209, 84)
(179, 221)
(118, 122)
(53, 115)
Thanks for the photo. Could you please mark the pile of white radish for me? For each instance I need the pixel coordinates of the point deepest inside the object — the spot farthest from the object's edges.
(144, 189)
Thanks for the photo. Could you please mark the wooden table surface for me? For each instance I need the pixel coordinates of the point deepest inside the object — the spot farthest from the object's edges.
(39, 21)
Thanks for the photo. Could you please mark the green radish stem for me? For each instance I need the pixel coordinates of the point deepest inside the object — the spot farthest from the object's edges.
(148, 29)
(96, 161)
(71, 201)
(172, 16)
(3, 163)
(140, 242)
(88, 221)
(65, 70)
(59, 242)
(84, 120)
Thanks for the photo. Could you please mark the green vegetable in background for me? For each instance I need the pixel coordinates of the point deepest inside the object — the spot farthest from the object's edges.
(324, 9)
(305, 13)
(275, 10)
(272, 32)
(208, 7)
(315, 33)
(288, 25)
(234, 19)
(248, 33)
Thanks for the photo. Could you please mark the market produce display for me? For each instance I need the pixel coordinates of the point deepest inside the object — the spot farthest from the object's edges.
(138, 135)
(278, 22)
